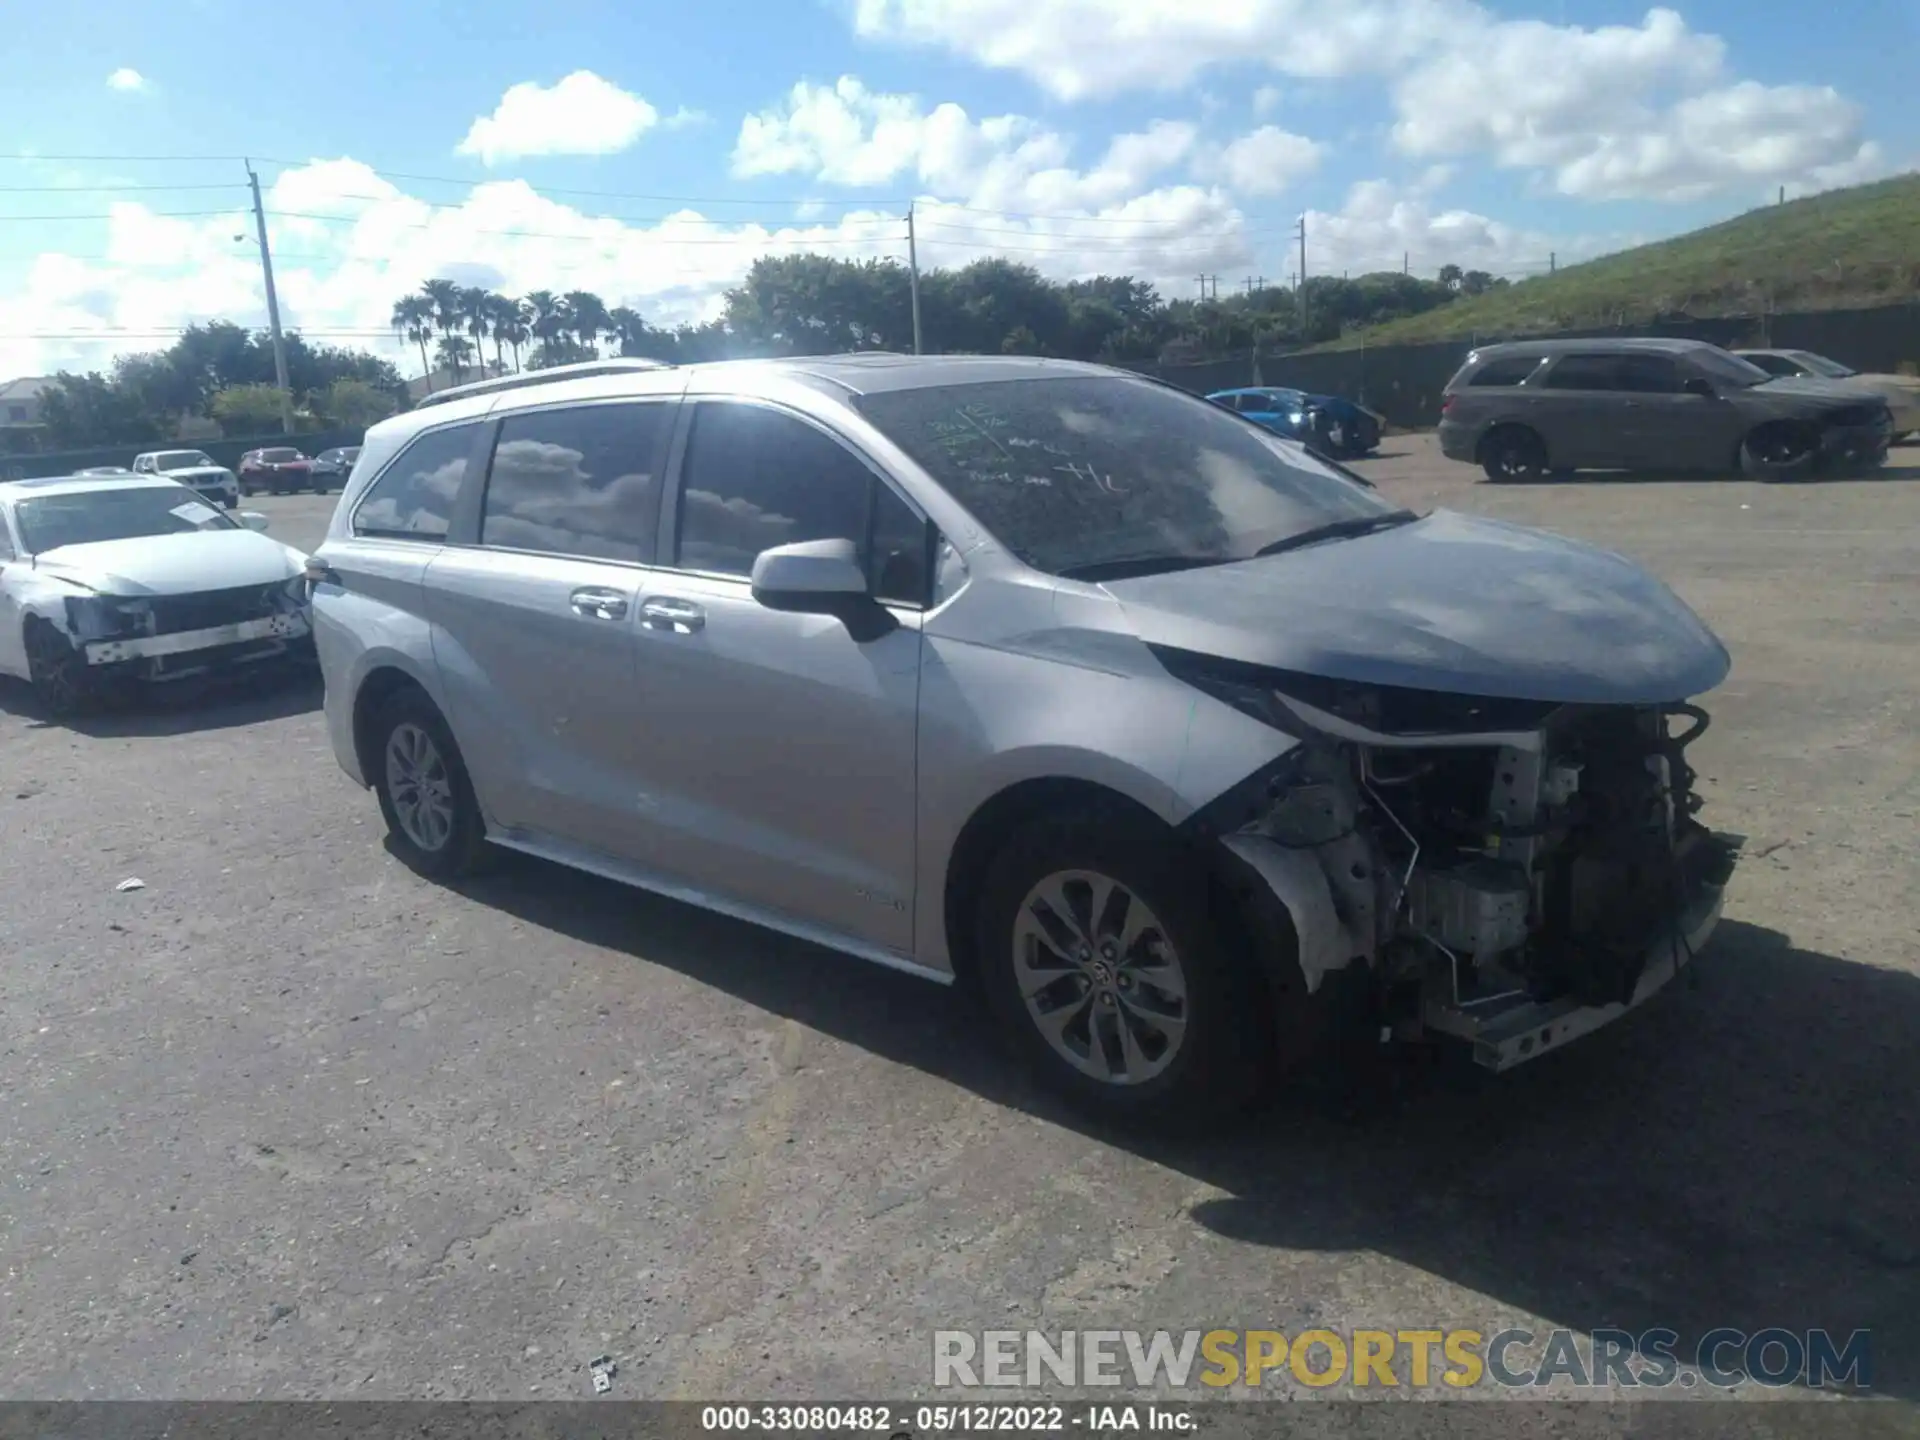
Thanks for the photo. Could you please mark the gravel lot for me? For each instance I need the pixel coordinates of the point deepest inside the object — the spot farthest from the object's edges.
(292, 1122)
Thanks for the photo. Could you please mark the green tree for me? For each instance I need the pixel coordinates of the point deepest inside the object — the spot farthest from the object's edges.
(248, 409)
(353, 404)
(89, 409)
(511, 325)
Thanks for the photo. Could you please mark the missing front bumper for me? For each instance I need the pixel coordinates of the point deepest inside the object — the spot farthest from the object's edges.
(153, 647)
(1511, 1030)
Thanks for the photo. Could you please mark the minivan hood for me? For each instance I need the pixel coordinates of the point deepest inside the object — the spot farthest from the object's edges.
(172, 564)
(1815, 388)
(198, 472)
(1450, 603)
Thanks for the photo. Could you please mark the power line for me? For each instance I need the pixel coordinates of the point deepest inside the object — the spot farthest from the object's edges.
(107, 189)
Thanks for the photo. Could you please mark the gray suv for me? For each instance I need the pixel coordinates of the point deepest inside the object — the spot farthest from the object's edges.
(1524, 409)
(1182, 747)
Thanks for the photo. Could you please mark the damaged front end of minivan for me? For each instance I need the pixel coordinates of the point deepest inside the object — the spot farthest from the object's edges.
(1512, 874)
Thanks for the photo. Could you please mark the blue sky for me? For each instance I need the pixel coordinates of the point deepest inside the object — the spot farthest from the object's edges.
(532, 146)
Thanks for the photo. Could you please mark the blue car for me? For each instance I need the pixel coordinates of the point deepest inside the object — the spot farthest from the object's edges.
(1328, 423)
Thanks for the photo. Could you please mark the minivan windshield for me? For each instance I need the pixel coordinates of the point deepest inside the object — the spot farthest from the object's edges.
(1099, 476)
(82, 517)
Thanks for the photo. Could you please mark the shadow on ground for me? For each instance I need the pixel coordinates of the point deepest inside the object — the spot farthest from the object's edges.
(270, 692)
(1740, 1154)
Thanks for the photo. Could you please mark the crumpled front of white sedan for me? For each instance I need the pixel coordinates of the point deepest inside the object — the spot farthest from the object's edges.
(106, 584)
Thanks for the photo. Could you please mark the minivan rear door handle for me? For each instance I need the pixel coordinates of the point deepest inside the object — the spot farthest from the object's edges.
(665, 612)
(596, 603)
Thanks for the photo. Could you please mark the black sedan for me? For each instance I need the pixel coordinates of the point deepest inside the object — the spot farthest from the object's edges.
(331, 467)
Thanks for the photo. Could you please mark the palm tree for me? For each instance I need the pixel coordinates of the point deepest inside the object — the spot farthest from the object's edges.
(627, 329)
(499, 315)
(514, 325)
(547, 316)
(454, 351)
(412, 319)
(444, 298)
(476, 314)
(587, 313)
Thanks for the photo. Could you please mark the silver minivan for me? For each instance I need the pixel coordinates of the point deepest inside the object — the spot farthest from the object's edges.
(1186, 749)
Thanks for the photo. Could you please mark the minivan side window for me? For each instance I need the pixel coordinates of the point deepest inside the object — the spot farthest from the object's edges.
(1647, 374)
(413, 498)
(581, 481)
(1507, 370)
(1773, 364)
(755, 478)
(1585, 372)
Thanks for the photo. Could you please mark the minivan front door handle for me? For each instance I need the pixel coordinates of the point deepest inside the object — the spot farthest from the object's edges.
(598, 604)
(663, 612)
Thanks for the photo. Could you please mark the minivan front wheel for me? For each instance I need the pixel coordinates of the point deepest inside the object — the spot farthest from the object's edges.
(425, 795)
(1513, 455)
(1105, 972)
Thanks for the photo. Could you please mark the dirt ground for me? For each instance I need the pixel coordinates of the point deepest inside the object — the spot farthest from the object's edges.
(291, 1122)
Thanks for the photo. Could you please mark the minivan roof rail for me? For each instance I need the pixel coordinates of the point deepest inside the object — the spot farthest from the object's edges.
(551, 376)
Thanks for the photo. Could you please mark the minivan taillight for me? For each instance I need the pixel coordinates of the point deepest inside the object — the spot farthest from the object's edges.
(1446, 403)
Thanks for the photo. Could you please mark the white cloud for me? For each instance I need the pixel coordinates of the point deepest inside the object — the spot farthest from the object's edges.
(1265, 161)
(1615, 111)
(1381, 226)
(126, 78)
(338, 279)
(1266, 100)
(580, 115)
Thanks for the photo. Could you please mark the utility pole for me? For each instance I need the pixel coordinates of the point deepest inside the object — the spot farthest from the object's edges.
(1406, 262)
(273, 307)
(1303, 279)
(913, 276)
(1553, 261)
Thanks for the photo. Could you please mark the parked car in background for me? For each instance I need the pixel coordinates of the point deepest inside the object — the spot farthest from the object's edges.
(105, 582)
(278, 469)
(1901, 392)
(195, 469)
(1330, 424)
(1525, 409)
(331, 467)
(1039, 675)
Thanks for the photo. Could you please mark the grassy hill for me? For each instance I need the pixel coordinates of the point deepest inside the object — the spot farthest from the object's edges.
(1858, 246)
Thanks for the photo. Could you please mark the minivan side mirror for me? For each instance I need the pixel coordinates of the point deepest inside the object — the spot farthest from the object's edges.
(1697, 386)
(790, 576)
(253, 520)
(820, 577)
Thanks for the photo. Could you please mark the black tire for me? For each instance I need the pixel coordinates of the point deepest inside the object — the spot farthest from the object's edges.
(57, 671)
(232, 502)
(1223, 1053)
(464, 848)
(1780, 452)
(1513, 454)
(246, 490)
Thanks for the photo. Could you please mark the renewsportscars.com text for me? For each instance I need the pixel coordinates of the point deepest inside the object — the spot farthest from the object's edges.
(1454, 1359)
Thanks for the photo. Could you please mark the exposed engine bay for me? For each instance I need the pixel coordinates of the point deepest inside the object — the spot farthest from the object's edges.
(1509, 873)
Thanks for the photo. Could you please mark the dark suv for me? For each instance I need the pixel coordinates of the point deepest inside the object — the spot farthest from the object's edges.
(1527, 408)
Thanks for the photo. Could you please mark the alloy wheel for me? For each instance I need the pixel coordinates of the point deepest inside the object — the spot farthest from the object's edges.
(420, 786)
(1101, 979)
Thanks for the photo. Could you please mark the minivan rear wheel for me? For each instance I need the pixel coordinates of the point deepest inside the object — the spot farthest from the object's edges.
(1512, 454)
(1107, 975)
(425, 795)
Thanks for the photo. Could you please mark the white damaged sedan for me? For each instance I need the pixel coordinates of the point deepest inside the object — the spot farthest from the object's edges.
(104, 583)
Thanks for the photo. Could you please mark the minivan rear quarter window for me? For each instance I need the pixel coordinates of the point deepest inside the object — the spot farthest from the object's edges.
(580, 481)
(413, 498)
